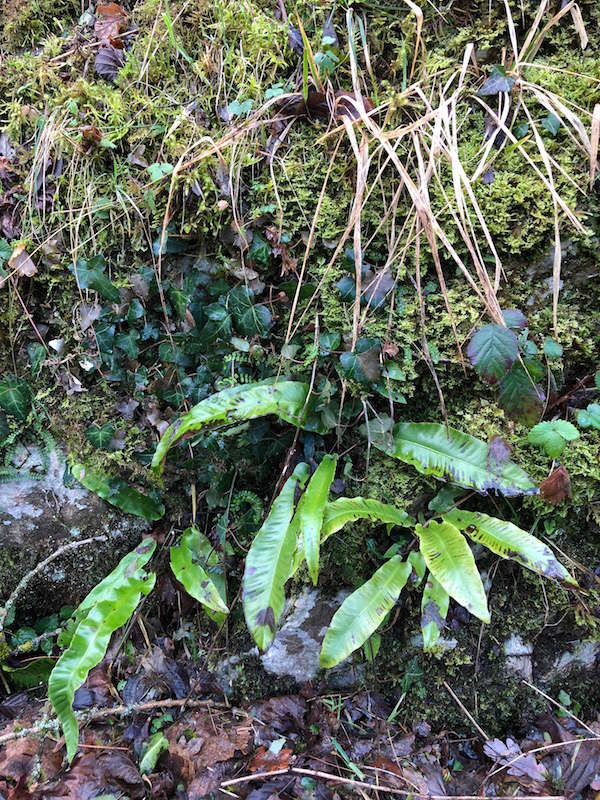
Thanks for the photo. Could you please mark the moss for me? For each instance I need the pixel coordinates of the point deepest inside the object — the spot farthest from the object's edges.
(25, 22)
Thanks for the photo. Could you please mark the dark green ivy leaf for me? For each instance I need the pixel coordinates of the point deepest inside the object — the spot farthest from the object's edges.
(100, 435)
(498, 82)
(15, 397)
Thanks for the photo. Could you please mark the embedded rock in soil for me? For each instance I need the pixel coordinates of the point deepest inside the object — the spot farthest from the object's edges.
(293, 657)
(519, 657)
(38, 515)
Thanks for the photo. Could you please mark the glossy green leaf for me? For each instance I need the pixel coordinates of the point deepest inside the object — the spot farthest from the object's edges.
(454, 456)
(118, 493)
(363, 611)
(434, 610)
(15, 396)
(191, 569)
(590, 417)
(152, 750)
(492, 351)
(106, 609)
(450, 561)
(311, 512)
(553, 436)
(269, 562)
(285, 399)
(100, 435)
(508, 541)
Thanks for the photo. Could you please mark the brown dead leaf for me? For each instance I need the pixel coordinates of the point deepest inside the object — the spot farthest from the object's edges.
(266, 761)
(21, 263)
(91, 135)
(556, 487)
(110, 21)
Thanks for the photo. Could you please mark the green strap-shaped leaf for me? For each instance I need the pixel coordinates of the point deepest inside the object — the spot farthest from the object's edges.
(454, 456)
(285, 399)
(349, 509)
(154, 747)
(118, 493)
(434, 610)
(130, 566)
(193, 572)
(269, 562)
(119, 599)
(450, 561)
(506, 540)
(311, 512)
(363, 611)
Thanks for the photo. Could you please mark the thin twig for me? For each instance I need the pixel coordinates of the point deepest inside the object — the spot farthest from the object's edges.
(468, 714)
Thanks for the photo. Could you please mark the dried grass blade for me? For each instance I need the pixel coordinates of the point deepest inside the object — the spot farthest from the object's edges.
(594, 139)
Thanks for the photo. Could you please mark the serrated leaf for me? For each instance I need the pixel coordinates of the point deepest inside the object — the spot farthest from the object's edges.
(118, 493)
(454, 456)
(312, 510)
(590, 417)
(285, 399)
(553, 436)
(152, 750)
(450, 561)
(106, 609)
(520, 397)
(363, 611)
(434, 610)
(15, 397)
(552, 349)
(269, 562)
(508, 541)
(492, 351)
(100, 435)
(192, 570)
(514, 319)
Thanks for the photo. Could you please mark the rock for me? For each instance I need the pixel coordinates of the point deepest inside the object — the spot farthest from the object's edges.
(38, 515)
(582, 656)
(294, 654)
(519, 657)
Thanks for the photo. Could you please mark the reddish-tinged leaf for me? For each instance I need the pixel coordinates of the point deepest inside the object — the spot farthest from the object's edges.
(266, 761)
(556, 487)
(110, 21)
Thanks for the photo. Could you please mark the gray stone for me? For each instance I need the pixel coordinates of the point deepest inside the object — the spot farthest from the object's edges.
(582, 656)
(38, 515)
(519, 657)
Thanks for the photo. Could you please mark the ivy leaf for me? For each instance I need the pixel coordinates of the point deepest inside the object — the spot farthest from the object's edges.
(158, 171)
(15, 396)
(329, 342)
(250, 320)
(5, 251)
(100, 436)
(260, 252)
(90, 275)
(520, 397)
(127, 342)
(346, 288)
(551, 123)
(222, 319)
(553, 436)
(498, 82)
(590, 417)
(492, 351)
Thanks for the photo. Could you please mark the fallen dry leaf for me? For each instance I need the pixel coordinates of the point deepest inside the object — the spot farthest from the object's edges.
(556, 487)
(21, 263)
(110, 20)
